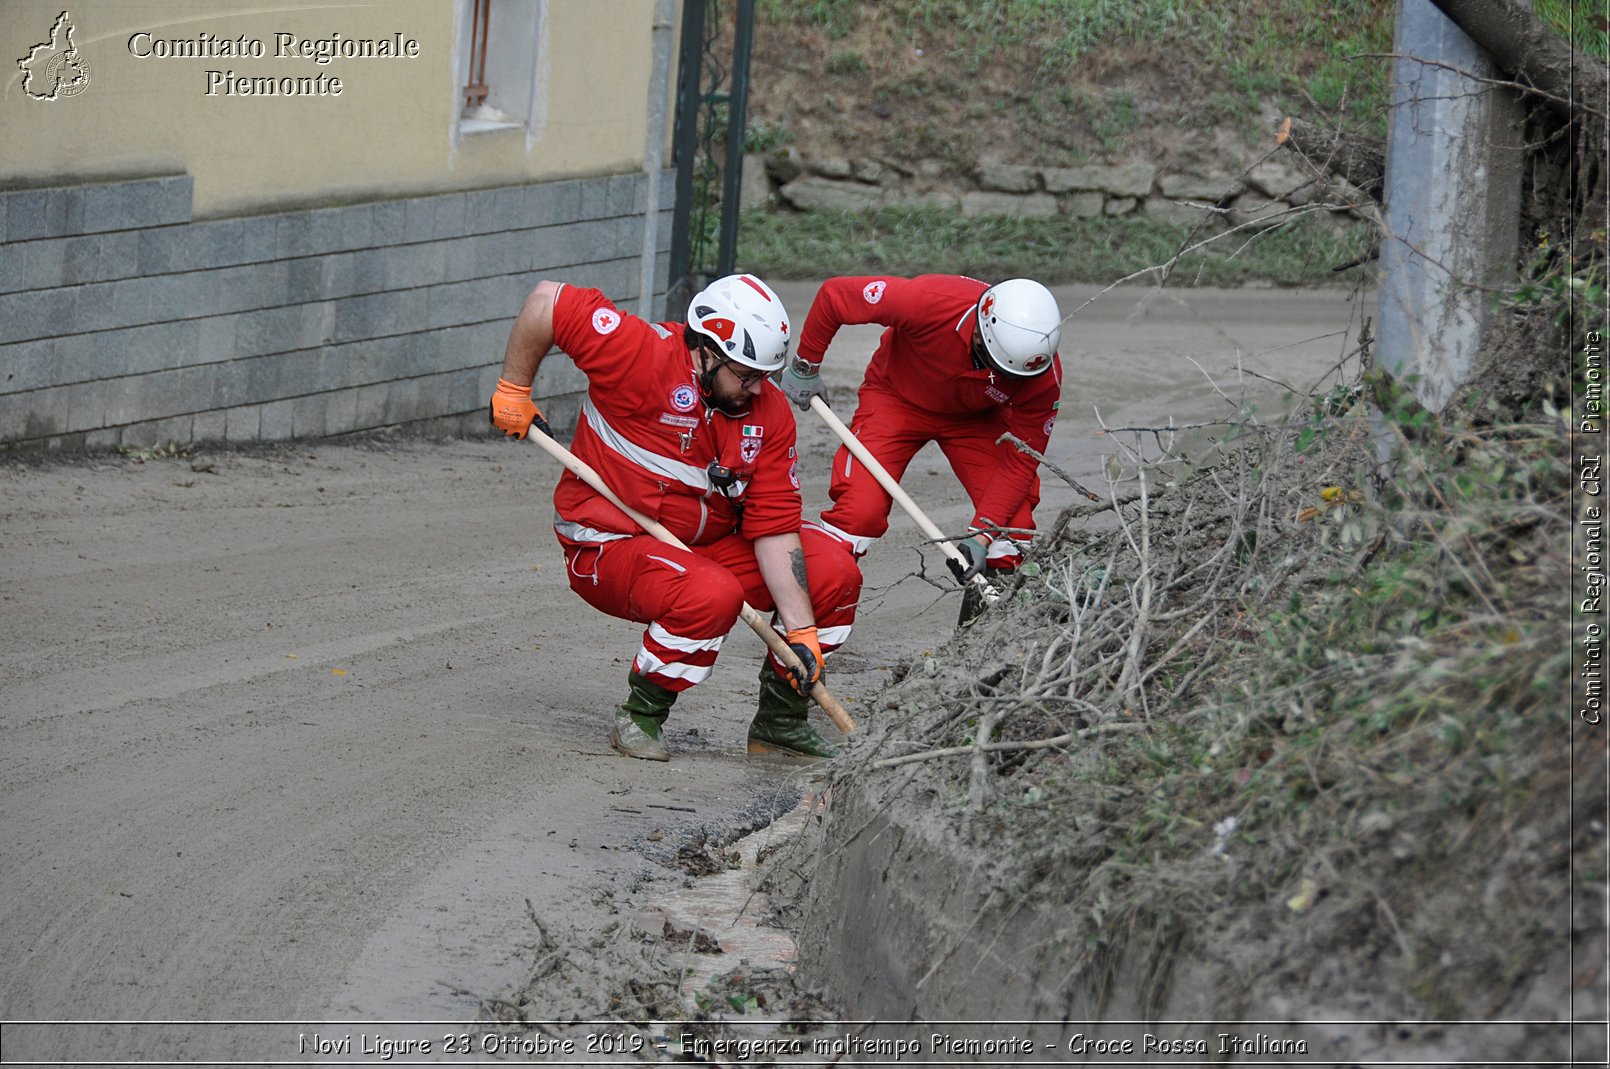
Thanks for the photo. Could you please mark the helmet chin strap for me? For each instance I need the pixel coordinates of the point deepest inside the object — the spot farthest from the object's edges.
(707, 373)
(980, 362)
(707, 384)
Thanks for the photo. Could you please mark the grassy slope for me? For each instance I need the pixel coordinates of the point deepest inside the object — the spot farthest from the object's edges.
(1063, 249)
(1064, 82)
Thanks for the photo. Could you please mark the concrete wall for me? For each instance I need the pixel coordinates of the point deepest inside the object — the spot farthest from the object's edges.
(396, 128)
(180, 262)
(126, 322)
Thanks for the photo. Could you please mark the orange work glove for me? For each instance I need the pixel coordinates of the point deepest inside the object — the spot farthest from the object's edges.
(513, 411)
(803, 641)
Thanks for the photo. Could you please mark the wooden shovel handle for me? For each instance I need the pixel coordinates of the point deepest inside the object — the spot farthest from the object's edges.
(751, 616)
(896, 491)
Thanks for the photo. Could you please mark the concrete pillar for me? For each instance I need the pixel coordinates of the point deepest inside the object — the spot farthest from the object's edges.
(1453, 188)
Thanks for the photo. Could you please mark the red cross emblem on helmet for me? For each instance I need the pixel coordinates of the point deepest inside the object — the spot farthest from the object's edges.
(989, 305)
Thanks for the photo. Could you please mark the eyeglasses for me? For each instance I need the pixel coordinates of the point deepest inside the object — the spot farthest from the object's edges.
(745, 378)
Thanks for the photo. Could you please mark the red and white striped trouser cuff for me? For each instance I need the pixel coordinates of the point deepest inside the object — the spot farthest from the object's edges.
(856, 544)
(673, 662)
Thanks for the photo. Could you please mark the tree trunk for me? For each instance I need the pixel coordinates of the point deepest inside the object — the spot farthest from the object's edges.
(1521, 44)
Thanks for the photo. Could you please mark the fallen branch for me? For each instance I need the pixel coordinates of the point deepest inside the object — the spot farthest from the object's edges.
(1002, 747)
(1023, 447)
(1559, 103)
(1359, 160)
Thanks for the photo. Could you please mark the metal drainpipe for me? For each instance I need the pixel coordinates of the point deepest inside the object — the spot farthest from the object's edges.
(659, 90)
(737, 124)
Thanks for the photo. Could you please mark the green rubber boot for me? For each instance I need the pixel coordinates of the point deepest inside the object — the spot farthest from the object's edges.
(640, 720)
(781, 724)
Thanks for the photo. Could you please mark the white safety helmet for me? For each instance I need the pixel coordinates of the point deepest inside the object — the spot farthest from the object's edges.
(745, 319)
(1021, 324)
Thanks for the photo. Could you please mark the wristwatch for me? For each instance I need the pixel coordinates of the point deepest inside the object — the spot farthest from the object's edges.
(802, 366)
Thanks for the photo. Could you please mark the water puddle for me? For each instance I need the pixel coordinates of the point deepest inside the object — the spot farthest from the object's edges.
(727, 907)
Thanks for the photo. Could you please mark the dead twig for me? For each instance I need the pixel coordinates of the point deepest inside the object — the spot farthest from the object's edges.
(1023, 447)
(1005, 747)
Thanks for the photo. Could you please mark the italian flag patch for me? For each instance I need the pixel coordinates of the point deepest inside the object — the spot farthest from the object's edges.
(753, 430)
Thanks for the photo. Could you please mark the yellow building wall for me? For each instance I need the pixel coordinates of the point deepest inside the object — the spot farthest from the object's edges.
(393, 128)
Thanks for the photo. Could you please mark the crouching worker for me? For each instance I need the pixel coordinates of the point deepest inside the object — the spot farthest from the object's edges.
(962, 363)
(681, 421)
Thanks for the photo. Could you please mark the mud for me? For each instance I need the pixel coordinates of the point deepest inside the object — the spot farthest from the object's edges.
(316, 735)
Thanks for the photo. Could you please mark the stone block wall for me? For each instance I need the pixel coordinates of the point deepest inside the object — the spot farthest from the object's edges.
(126, 323)
(1262, 193)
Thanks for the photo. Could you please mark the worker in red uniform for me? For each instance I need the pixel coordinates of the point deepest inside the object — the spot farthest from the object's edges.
(961, 363)
(682, 423)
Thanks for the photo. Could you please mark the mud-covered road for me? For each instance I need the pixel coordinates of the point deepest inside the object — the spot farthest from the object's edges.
(296, 735)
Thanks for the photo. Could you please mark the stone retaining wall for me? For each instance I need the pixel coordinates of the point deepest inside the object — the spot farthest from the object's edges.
(1261, 195)
(126, 323)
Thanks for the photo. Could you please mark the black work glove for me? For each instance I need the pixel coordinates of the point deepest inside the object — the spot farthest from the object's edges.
(975, 555)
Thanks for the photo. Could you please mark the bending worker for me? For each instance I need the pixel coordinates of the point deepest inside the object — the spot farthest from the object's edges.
(961, 363)
(682, 423)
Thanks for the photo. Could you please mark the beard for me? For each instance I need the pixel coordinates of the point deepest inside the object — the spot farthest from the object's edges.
(729, 405)
(728, 400)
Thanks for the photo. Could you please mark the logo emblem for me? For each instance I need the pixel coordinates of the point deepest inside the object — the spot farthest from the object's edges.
(606, 320)
(55, 68)
(793, 475)
(1036, 362)
(749, 449)
(874, 291)
(684, 398)
(720, 328)
(1052, 422)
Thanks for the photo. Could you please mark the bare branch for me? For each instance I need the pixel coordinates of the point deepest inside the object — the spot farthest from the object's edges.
(1121, 727)
(1023, 447)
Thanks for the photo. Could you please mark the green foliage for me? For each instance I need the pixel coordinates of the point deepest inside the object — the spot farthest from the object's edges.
(846, 61)
(836, 17)
(763, 136)
(1582, 22)
(1117, 117)
(909, 241)
(1064, 29)
(1573, 295)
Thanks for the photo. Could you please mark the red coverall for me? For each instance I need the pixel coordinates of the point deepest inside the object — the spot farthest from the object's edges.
(645, 430)
(920, 387)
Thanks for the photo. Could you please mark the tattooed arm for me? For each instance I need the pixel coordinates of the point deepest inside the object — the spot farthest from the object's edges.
(782, 566)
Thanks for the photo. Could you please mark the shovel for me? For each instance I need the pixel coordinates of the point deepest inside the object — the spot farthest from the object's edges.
(893, 489)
